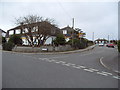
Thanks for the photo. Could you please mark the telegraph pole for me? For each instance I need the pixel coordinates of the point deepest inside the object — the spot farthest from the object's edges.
(93, 37)
(73, 23)
(72, 31)
(108, 38)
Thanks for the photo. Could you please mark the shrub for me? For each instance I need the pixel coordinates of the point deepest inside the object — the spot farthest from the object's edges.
(15, 39)
(60, 40)
(3, 40)
(78, 43)
(90, 43)
(8, 46)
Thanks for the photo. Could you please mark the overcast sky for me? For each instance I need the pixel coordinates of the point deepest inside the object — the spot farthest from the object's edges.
(98, 17)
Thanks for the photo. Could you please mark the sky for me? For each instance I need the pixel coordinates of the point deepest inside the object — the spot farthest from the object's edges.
(98, 17)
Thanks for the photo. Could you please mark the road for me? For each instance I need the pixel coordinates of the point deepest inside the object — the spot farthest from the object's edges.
(75, 70)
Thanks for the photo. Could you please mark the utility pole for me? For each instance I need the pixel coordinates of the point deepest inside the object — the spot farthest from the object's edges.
(93, 37)
(72, 31)
(73, 23)
(108, 38)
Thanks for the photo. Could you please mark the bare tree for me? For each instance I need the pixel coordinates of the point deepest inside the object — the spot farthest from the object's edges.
(36, 29)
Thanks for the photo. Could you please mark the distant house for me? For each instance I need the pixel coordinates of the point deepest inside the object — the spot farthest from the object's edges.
(101, 41)
(22, 30)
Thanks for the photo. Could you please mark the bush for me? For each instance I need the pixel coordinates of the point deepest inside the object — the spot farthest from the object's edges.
(60, 40)
(3, 40)
(15, 39)
(78, 43)
(118, 45)
(90, 43)
(8, 46)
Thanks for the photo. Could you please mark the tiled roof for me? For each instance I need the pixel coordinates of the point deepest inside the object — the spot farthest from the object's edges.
(67, 28)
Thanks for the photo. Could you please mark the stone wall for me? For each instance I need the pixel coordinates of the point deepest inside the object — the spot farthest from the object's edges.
(58, 49)
(42, 49)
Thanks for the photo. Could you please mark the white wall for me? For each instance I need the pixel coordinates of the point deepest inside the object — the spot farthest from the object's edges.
(49, 40)
(3, 34)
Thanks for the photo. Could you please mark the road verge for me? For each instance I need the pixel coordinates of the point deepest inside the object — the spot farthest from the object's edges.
(66, 52)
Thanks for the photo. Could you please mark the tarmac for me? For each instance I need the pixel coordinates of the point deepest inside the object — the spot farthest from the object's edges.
(112, 64)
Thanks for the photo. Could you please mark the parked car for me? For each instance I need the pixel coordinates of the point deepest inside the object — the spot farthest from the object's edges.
(110, 45)
(101, 44)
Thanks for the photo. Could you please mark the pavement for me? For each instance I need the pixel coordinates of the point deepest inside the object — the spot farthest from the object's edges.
(65, 52)
(73, 70)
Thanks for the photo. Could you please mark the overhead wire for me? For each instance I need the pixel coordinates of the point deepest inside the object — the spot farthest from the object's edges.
(65, 11)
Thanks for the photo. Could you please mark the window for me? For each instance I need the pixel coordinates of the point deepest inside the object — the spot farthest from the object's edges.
(17, 31)
(64, 31)
(11, 32)
(25, 30)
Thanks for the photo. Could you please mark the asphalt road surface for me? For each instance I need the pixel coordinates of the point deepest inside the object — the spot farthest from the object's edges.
(75, 70)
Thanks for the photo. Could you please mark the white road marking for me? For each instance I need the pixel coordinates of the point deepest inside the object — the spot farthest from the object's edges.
(81, 66)
(107, 73)
(116, 77)
(76, 67)
(102, 73)
(42, 58)
(62, 61)
(93, 69)
(88, 70)
(66, 64)
(103, 63)
(57, 62)
(70, 63)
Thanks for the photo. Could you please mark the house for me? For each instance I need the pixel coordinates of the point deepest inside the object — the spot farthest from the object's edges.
(101, 41)
(36, 32)
(70, 33)
(67, 32)
(2, 32)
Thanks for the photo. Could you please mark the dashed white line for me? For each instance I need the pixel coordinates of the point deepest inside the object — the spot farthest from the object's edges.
(116, 77)
(81, 66)
(62, 61)
(102, 73)
(93, 69)
(76, 67)
(107, 73)
(43, 58)
(88, 70)
(66, 64)
(70, 63)
(57, 62)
